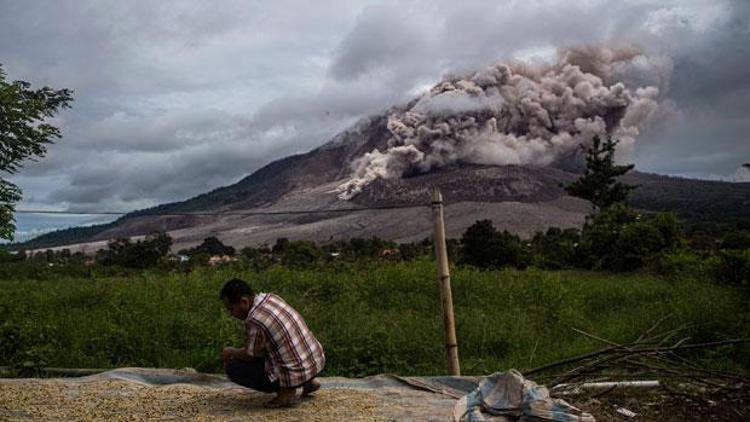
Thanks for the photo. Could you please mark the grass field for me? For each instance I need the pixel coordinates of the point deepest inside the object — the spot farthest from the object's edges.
(370, 317)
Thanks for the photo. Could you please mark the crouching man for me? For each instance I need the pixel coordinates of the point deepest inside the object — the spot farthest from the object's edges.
(280, 353)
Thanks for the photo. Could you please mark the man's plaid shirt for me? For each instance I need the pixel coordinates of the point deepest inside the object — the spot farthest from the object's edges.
(278, 333)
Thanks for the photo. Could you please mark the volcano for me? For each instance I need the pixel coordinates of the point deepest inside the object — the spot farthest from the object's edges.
(500, 143)
(520, 199)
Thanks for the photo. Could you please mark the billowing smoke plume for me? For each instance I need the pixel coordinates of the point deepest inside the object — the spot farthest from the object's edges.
(515, 113)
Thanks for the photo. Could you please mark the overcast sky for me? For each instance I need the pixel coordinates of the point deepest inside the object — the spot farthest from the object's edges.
(174, 98)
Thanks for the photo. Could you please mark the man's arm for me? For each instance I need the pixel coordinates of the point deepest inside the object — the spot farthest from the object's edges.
(255, 346)
(234, 353)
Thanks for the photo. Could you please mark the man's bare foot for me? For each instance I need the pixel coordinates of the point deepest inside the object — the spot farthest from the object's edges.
(286, 397)
(310, 387)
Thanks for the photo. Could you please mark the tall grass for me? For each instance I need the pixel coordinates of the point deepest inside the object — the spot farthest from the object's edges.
(371, 318)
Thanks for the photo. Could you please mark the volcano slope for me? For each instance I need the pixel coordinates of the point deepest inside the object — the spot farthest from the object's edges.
(517, 198)
(521, 199)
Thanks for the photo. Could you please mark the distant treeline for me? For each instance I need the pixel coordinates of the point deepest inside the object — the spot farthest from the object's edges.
(704, 207)
(617, 239)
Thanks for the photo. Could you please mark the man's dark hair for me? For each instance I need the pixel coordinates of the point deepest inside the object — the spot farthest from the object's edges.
(234, 289)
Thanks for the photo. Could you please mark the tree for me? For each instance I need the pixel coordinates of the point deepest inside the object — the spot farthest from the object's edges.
(144, 253)
(213, 246)
(24, 135)
(598, 183)
(485, 247)
(620, 239)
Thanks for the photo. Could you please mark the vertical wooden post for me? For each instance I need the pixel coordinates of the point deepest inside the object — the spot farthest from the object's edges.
(441, 253)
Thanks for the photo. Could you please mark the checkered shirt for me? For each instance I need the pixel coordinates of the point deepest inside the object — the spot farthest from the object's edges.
(277, 332)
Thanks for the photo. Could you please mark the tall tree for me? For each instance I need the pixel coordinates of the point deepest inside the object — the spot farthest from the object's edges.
(24, 135)
(598, 183)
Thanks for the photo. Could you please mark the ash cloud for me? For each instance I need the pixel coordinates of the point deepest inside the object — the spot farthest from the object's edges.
(518, 113)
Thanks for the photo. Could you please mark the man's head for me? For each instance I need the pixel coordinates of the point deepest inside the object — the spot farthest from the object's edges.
(238, 297)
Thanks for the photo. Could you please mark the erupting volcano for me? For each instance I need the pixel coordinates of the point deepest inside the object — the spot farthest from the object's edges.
(517, 113)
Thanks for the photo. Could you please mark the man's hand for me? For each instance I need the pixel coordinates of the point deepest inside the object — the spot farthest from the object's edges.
(228, 354)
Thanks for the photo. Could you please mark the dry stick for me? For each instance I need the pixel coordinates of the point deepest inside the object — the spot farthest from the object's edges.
(631, 348)
(603, 340)
(670, 334)
(653, 327)
(671, 357)
(569, 360)
(682, 360)
(695, 345)
(577, 372)
(659, 369)
(597, 365)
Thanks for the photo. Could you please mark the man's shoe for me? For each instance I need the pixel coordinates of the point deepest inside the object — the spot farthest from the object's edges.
(310, 387)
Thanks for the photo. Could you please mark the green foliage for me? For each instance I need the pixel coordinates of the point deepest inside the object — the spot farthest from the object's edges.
(280, 246)
(680, 263)
(23, 135)
(358, 248)
(739, 239)
(25, 347)
(7, 256)
(301, 254)
(141, 254)
(732, 267)
(556, 249)
(484, 247)
(371, 317)
(414, 250)
(598, 183)
(620, 239)
(210, 246)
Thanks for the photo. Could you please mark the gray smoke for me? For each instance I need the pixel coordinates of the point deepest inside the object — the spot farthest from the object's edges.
(519, 113)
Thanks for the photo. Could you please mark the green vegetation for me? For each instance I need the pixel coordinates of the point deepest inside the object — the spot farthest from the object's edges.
(372, 317)
(599, 182)
(375, 304)
(24, 135)
(144, 253)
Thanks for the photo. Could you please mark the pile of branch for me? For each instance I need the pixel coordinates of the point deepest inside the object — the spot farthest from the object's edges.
(658, 356)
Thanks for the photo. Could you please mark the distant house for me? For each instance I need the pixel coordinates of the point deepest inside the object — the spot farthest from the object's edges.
(181, 258)
(389, 254)
(220, 259)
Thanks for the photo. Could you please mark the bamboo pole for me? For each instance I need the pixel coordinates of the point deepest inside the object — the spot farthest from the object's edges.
(441, 254)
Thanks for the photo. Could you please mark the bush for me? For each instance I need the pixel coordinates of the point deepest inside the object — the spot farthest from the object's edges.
(357, 247)
(736, 240)
(680, 263)
(556, 249)
(301, 254)
(484, 247)
(211, 246)
(732, 267)
(142, 254)
(620, 239)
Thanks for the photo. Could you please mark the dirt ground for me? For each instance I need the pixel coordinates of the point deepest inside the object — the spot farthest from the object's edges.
(670, 405)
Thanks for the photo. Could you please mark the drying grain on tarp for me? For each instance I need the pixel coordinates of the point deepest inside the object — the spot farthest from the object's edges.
(123, 400)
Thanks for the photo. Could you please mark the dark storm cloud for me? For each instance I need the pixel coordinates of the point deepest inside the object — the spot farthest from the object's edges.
(711, 88)
(177, 98)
